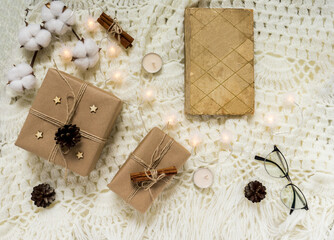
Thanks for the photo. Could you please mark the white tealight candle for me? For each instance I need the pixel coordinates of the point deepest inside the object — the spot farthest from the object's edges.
(152, 62)
(203, 178)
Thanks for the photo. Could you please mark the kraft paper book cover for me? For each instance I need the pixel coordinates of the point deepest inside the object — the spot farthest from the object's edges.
(219, 55)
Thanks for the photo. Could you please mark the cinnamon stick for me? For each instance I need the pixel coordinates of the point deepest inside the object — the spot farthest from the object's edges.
(123, 41)
(141, 176)
(106, 21)
(110, 21)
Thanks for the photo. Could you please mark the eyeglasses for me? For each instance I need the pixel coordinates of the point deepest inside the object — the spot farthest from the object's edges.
(277, 167)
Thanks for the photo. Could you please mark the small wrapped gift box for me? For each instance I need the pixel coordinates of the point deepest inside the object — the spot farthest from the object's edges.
(64, 99)
(156, 151)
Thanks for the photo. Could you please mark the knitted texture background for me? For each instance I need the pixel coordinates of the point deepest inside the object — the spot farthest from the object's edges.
(293, 53)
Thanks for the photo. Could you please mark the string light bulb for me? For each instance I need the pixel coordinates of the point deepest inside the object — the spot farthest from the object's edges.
(148, 94)
(270, 120)
(289, 99)
(172, 118)
(66, 54)
(113, 50)
(117, 76)
(195, 139)
(91, 24)
(226, 138)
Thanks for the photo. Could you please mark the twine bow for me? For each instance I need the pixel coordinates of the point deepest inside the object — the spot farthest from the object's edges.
(69, 115)
(115, 29)
(156, 158)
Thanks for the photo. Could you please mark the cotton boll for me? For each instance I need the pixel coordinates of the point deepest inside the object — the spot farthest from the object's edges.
(21, 77)
(86, 54)
(33, 37)
(82, 63)
(46, 14)
(93, 60)
(91, 47)
(24, 70)
(57, 18)
(79, 50)
(16, 86)
(56, 8)
(43, 38)
(67, 17)
(28, 82)
(11, 92)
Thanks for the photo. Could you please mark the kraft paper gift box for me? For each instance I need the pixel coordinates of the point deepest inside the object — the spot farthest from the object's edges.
(165, 150)
(94, 112)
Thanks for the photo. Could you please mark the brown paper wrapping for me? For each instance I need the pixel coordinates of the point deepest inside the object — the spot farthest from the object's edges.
(99, 123)
(121, 183)
(219, 61)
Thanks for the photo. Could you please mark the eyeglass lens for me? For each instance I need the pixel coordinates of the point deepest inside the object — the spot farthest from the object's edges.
(276, 165)
(292, 197)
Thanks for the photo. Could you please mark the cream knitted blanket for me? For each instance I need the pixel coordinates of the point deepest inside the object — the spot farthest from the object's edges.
(293, 52)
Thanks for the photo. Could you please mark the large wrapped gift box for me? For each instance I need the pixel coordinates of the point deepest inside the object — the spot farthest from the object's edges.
(64, 99)
(156, 151)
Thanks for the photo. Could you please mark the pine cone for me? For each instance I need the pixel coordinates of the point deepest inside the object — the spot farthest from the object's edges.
(68, 136)
(255, 191)
(43, 195)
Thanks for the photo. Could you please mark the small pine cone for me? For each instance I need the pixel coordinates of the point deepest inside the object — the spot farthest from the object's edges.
(255, 191)
(68, 136)
(43, 195)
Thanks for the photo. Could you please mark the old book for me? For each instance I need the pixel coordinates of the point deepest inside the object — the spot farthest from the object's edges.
(219, 54)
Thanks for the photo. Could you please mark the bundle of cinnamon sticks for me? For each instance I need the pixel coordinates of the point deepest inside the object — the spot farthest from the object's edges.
(142, 176)
(124, 38)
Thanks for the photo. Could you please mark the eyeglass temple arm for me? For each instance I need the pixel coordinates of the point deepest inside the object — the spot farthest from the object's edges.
(267, 160)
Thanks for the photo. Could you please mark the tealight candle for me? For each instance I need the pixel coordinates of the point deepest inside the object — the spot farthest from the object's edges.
(152, 62)
(113, 50)
(66, 54)
(203, 178)
(91, 24)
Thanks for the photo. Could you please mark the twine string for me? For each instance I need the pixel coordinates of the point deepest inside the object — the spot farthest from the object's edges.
(150, 169)
(70, 111)
(115, 29)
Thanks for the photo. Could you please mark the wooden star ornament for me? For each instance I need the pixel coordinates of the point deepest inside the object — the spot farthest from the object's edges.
(93, 109)
(39, 135)
(79, 155)
(57, 100)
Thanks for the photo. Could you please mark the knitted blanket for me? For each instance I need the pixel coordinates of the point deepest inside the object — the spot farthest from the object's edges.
(293, 53)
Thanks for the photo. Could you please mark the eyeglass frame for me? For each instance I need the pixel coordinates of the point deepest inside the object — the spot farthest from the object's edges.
(286, 175)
